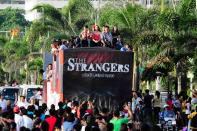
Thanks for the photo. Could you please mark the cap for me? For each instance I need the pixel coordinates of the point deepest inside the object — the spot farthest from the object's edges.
(166, 106)
(16, 109)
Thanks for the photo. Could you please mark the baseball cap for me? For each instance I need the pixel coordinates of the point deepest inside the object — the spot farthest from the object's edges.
(16, 109)
(166, 106)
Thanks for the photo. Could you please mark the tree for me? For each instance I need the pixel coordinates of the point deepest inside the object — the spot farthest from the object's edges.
(14, 52)
(177, 27)
(64, 22)
(12, 18)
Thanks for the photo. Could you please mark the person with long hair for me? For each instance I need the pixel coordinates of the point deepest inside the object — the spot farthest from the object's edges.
(115, 34)
(96, 36)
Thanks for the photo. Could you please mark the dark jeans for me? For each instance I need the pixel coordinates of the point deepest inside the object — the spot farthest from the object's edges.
(148, 115)
(156, 113)
(84, 43)
(94, 44)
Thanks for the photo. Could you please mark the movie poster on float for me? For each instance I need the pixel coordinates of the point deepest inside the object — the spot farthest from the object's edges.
(98, 74)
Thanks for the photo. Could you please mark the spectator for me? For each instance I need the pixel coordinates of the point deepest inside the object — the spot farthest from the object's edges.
(136, 106)
(119, 44)
(147, 113)
(85, 36)
(177, 104)
(12, 126)
(194, 100)
(28, 122)
(115, 35)
(38, 95)
(49, 72)
(3, 104)
(22, 102)
(117, 121)
(188, 109)
(157, 105)
(44, 126)
(51, 120)
(126, 48)
(69, 122)
(54, 49)
(169, 102)
(96, 36)
(18, 118)
(62, 46)
(107, 38)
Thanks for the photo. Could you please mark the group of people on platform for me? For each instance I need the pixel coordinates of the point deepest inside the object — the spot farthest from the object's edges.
(140, 114)
(93, 38)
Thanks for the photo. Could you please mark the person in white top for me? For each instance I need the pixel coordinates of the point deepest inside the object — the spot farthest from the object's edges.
(18, 118)
(22, 102)
(32, 102)
(38, 94)
(188, 106)
(28, 122)
(3, 103)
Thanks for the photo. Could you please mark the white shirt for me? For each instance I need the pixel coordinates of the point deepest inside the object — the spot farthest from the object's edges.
(83, 128)
(19, 121)
(28, 122)
(188, 111)
(38, 95)
(3, 105)
(22, 104)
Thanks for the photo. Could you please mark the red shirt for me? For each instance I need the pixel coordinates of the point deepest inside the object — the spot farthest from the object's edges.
(51, 121)
(170, 104)
(96, 36)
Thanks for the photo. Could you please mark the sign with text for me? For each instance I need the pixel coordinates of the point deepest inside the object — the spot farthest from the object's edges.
(100, 74)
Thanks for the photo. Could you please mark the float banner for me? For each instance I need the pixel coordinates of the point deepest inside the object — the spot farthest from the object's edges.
(98, 74)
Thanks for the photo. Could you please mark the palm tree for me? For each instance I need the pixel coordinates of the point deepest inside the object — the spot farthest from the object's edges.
(14, 53)
(177, 26)
(65, 20)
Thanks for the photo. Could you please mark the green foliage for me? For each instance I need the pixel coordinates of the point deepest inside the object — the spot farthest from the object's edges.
(110, 16)
(2, 77)
(12, 18)
(16, 48)
(35, 64)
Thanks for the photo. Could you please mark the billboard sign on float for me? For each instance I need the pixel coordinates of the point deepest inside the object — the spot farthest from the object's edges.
(100, 74)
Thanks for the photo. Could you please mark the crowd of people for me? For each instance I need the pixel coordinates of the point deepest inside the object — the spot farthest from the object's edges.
(142, 113)
(93, 38)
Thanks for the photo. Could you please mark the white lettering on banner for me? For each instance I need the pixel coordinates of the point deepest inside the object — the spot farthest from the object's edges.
(97, 75)
(78, 64)
(71, 65)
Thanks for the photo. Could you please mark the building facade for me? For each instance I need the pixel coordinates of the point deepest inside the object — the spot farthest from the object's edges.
(30, 15)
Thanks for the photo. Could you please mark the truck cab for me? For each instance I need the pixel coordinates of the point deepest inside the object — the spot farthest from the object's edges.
(10, 93)
(30, 90)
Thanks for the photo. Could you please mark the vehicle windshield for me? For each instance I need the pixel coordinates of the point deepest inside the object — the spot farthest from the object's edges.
(31, 92)
(10, 94)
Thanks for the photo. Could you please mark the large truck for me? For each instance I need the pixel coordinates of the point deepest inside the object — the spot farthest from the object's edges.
(102, 75)
(10, 93)
(30, 91)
